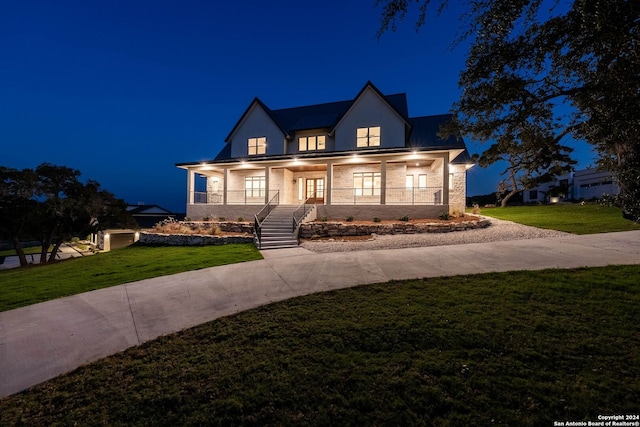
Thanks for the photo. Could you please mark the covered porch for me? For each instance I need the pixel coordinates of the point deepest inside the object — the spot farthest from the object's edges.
(401, 180)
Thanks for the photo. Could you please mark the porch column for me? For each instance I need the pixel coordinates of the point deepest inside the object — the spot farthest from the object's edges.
(191, 177)
(383, 182)
(225, 185)
(267, 172)
(327, 200)
(445, 179)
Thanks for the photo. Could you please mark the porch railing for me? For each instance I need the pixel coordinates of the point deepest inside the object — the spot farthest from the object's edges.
(234, 197)
(302, 210)
(339, 196)
(393, 196)
(264, 212)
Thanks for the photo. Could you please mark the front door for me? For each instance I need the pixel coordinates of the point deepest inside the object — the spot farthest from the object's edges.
(315, 190)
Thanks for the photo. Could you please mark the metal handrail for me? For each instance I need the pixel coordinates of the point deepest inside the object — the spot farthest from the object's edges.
(257, 224)
(304, 204)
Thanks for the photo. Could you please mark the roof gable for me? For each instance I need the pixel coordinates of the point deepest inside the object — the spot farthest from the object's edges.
(256, 103)
(397, 103)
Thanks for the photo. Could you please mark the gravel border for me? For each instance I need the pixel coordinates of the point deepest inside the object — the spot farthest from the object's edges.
(499, 230)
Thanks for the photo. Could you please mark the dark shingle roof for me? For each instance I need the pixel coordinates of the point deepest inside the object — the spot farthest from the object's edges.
(312, 116)
(425, 133)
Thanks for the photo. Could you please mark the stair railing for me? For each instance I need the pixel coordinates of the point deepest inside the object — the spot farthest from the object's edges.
(301, 212)
(262, 215)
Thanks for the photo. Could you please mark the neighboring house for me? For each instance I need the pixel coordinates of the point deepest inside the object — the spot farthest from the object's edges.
(146, 216)
(584, 184)
(363, 158)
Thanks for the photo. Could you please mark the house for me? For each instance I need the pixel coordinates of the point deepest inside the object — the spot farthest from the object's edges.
(585, 184)
(364, 158)
(146, 216)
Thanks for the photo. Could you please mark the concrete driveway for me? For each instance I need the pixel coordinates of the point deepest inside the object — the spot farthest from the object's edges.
(42, 341)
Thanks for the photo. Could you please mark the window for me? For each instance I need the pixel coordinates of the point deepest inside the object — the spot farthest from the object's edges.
(366, 183)
(368, 137)
(422, 181)
(254, 186)
(533, 194)
(310, 143)
(257, 145)
(409, 182)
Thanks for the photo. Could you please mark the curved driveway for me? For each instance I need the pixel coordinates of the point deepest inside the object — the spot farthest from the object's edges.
(45, 340)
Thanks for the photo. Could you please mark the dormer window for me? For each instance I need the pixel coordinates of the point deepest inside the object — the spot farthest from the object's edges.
(257, 146)
(311, 143)
(368, 137)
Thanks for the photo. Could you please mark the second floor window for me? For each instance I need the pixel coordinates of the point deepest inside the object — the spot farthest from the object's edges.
(257, 145)
(368, 137)
(310, 143)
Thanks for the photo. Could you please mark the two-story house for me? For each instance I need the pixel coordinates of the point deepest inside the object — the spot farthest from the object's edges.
(364, 158)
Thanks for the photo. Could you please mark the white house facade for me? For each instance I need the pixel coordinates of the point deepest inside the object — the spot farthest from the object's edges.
(362, 158)
(585, 184)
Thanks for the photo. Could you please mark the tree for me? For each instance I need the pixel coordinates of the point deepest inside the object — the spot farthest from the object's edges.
(51, 205)
(18, 189)
(535, 75)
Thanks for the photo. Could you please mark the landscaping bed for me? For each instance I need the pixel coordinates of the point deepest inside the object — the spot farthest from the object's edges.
(320, 229)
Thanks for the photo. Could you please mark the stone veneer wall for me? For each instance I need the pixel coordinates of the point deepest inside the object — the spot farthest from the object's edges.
(332, 229)
(191, 239)
(458, 191)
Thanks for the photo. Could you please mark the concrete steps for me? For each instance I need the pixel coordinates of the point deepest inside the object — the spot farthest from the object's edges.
(276, 229)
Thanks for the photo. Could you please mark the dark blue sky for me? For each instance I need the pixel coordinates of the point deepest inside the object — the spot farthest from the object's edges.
(122, 90)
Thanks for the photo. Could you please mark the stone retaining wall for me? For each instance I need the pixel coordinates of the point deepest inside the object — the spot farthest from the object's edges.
(227, 226)
(331, 229)
(190, 239)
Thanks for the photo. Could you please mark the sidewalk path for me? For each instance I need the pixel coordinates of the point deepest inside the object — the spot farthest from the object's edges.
(45, 340)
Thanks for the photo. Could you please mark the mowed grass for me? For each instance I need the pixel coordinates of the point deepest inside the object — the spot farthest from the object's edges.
(24, 286)
(571, 218)
(520, 348)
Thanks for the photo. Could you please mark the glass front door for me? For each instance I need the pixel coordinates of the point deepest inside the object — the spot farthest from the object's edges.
(315, 190)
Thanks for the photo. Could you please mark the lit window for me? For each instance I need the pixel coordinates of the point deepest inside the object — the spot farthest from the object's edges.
(366, 183)
(409, 183)
(311, 143)
(422, 181)
(257, 145)
(368, 137)
(254, 186)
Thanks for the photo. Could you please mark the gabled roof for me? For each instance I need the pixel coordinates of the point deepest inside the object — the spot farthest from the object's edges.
(256, 101)
(319, 116)
(397, 103)
(147, 210)
(463, 158)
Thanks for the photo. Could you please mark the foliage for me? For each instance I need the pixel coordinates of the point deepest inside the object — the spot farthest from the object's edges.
(540, 71)
(520, 348)
(443, 216)
(404, 218)
(51, 205)
(376, 219)
(349, 218)
(587, 218)
(25, 286)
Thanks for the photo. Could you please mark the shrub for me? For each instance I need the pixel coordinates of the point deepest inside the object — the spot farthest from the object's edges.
(444, 216)
(404, 218)
(206, 218)
(240, 219)
(476, 209)
(215, 230)
(187, 218)
(376, 219)
(324, 219)
(349, 218)
(222, 218)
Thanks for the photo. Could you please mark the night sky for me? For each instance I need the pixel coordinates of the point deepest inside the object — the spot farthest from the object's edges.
(123, 90)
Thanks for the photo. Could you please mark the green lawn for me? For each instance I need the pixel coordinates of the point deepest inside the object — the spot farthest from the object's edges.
(25, 286)
(27, 251)
(520, 348)
(571, 218)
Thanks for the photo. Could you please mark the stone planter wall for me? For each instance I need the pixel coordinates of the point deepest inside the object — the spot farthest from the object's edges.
(330, 229)
(190, 240)
(227, 226)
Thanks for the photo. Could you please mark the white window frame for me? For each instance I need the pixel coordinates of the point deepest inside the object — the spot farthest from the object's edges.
(367, 183)
(312, 143)
(255, 186)
(422, 180)
(368, 137)
(257, 146)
